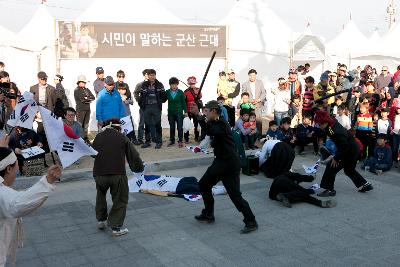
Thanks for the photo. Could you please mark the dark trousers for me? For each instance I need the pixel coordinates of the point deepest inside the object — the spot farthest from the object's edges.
(302, 142)
(83, 118)
(152, 121)
(248, 140)
(374, 165)
(141, 131)
(231, 115)
(258, 122)
(175, 122)
(349, 167)
(196, 125)
(229, 174)
(395, 147)
(366, 139)
(119, 190)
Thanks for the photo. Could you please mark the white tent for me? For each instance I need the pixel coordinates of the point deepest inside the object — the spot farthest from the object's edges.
(391, 42)
(347, 43)
(7, 37)
(124, 11)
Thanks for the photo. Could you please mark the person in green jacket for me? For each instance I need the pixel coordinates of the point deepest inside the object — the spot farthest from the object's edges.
(176, 111)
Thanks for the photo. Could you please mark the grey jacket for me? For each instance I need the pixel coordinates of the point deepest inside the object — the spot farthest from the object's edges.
(51, 96)
(260, 92)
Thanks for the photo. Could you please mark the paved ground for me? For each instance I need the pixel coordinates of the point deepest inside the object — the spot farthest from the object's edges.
(363, 230)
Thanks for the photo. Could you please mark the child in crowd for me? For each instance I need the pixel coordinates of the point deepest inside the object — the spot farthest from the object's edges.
(382, 158)
(305, 134)
(342, 118)
(295, 110)
(396, 136)
(308, 96)
(287, 132)
(334, 107)
(252, 121)
(224, 112)
(363, 128)
(249, 134)
(384, 125)
(354, 106)
(176, 111)
(245, 102)
(273, 132)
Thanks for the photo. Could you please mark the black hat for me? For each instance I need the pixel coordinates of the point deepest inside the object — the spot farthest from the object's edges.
(109, 80)
(99, 70)
(42, 75)
(385, 110)
(213, 104)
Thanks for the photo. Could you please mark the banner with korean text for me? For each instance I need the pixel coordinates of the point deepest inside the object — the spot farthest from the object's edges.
(126, 40)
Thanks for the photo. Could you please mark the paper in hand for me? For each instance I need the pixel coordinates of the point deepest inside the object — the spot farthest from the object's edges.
(32, 151)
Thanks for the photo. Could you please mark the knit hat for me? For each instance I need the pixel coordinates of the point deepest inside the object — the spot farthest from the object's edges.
(191, 80)
(324, 77)
(322, 117)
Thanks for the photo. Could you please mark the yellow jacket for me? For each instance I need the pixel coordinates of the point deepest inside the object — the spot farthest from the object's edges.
(318, 92)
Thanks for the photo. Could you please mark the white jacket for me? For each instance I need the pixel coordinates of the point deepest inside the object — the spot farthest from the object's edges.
(396, 125)
(282, 98)
(13, 205)
(344, 120)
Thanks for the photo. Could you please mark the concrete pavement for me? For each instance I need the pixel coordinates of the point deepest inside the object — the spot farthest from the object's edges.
(363, 230)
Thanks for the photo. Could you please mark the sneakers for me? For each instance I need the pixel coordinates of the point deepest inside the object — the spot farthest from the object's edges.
(205, 218)
(146, 145)
(170, 144)
(138, 142)
(327, 193)
(249, 227)
(365, 188)
(285, 201)
(118, 231)
(102, 225)
(378, 172)
(328, 203)
(158, 146)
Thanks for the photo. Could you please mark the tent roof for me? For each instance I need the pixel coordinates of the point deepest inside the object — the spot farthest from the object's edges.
(7, 36)
(39, 32)
(128, 12)
(254, 27)
(348, 41)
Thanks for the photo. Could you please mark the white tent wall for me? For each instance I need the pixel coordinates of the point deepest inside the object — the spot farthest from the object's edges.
(166, 68)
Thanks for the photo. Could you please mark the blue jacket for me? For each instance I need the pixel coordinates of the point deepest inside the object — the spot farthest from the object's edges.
(383, 155)
(277, 135)
(109, 105)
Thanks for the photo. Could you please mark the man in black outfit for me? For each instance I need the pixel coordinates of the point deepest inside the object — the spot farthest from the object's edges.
(225, 167)
(286, 189)
(345, 158)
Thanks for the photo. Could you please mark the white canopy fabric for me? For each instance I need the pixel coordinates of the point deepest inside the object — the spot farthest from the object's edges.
(7, 37)
(39, 32)
(348, 41)
(254, 27)
(124, 11)
(391, 42)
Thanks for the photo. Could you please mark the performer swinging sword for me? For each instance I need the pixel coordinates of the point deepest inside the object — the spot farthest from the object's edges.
(225, 167)
(345, 158)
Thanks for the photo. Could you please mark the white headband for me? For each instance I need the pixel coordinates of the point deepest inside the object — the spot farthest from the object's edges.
(10, 159)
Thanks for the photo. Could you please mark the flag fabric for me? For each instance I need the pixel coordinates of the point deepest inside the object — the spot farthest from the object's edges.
(311, 169)
(126, 125)
(24, 112)
(61, 138)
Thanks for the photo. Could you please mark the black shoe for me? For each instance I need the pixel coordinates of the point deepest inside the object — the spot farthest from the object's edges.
(158, 145)
(285, 201)
(146, 145)
(205, 218)
(365, 188)
(249, 227)
(138, 142)
(327, 193)
(328, 203)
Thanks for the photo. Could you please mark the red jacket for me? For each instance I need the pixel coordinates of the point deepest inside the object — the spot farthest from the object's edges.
(190, 98)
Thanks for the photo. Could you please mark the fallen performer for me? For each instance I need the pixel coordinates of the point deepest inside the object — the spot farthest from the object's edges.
(286, 189)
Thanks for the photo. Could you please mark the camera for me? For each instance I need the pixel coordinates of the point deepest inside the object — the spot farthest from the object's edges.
(5, 90)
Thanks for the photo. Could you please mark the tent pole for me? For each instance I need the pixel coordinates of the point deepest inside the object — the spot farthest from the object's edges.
(56, 48)
(227, 54)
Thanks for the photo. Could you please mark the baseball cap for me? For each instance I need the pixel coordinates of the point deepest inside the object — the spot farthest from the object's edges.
(324, 77)
(213, 104)
(191, 80)
(109, 80)
(82, 78)
(99, 70)
(42, 75)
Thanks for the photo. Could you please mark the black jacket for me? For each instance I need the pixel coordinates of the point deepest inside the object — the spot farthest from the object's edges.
(221, 139)
(161, 95)
(83, 98)
(347, 148)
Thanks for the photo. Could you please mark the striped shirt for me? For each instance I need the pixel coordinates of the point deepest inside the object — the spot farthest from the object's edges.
(364, 122)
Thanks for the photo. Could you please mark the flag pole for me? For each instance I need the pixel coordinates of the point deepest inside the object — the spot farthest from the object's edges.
(133, 126)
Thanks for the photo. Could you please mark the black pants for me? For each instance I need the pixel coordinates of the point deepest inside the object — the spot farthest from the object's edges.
(229, 174)
(367, 141)
(349, 166)
(231, 115)
(175, 122)
(141, 131)
(302, 142)
(248, 140)
(196, 131)
(83, 118)
(292, 191)
(152, 119)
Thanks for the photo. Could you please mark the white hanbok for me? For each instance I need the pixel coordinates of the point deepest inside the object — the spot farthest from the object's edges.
(14, 205)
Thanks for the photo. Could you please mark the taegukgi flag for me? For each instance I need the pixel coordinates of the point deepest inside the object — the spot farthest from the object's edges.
(127, 125)
(61, 138)
(24, 113)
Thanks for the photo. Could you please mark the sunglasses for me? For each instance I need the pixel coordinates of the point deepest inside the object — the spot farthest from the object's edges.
(384, 70)
(43, 79)
(342, 69)
(121, 76)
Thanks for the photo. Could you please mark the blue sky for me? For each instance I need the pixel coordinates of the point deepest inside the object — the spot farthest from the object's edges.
(326, 17)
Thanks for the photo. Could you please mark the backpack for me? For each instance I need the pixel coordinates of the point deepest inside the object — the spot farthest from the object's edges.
(239, 147)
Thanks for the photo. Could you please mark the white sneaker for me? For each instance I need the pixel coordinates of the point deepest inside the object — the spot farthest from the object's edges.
(118, 231)
(102, 225)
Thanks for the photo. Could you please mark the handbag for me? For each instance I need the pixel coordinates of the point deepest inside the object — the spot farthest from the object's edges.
(252, 166)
